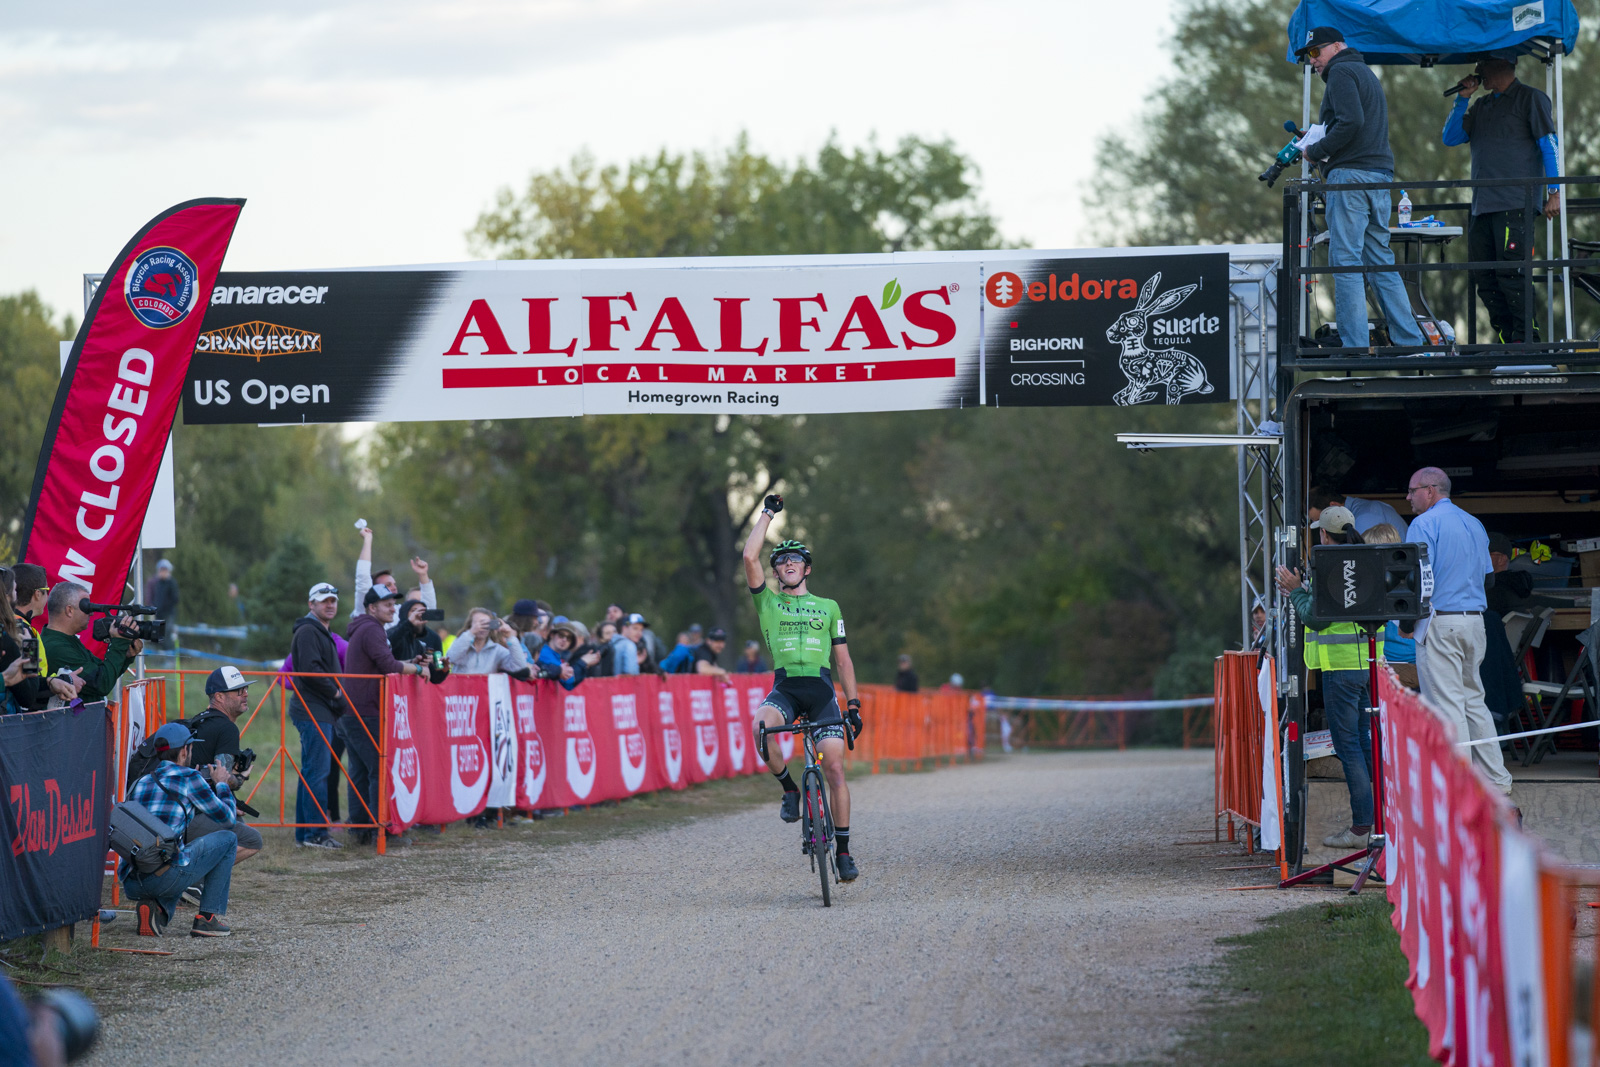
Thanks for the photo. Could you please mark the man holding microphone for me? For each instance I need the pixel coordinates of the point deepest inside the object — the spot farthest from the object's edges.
(1451, 642)
(1513, 135)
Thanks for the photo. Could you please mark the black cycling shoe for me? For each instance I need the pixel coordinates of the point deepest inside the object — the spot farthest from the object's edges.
(791, 806)
(847, 867)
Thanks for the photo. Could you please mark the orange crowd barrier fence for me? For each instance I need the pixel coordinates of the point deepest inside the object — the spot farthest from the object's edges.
(277, 770)
(918, 728)
(1239, 737)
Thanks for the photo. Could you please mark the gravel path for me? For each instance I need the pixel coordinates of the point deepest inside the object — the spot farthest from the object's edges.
(1020, 911)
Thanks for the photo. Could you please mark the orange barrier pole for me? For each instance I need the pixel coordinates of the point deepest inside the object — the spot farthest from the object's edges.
(383, 765)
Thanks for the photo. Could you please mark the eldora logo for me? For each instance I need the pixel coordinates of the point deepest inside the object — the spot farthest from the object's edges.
(161, 286)
(1006, 289)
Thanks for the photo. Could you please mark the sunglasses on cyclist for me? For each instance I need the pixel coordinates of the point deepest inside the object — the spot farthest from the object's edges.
(1313, 52)
(788, 557)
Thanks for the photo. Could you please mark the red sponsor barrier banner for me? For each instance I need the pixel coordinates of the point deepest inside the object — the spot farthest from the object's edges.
(118, 396)
(479, 741)
(1465, 884)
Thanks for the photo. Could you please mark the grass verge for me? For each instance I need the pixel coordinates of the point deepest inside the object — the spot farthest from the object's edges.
(1319, 984)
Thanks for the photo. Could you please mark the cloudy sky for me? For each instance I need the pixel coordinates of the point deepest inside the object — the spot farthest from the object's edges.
(366, 132)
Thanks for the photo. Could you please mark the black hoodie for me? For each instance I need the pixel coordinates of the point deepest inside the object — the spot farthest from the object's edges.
(404, 640)
(314, 652)
(1356, 115)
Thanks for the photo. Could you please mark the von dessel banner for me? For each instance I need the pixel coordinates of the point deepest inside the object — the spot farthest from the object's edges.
(782, 335)
(487, 740)
(55, 782)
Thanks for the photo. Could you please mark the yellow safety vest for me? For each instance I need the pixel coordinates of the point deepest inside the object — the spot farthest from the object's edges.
(1341, 647)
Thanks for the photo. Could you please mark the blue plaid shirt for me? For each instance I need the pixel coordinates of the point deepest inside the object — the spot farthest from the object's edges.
(186, 794)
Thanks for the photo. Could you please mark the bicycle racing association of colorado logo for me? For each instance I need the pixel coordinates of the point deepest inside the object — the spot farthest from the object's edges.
(161, 286)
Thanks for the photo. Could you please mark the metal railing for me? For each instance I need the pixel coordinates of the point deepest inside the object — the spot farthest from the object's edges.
(1299, 275)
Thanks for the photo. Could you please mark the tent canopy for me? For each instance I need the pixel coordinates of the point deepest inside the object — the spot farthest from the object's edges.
(1427, 32)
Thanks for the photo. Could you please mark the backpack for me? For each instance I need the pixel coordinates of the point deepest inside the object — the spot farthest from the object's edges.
(145, 759)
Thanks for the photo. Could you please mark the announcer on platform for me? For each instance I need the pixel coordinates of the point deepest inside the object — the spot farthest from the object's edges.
(1451, 641)
(1513, 135)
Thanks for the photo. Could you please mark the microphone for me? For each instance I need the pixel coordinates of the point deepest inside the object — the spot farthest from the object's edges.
(1289, 125)
(1462, 84)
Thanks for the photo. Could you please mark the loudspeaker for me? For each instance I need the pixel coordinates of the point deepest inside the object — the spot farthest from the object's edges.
(1371, 583)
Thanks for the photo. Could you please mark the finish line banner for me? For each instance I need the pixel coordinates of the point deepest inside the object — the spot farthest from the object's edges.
(738, 335)
(546, 339)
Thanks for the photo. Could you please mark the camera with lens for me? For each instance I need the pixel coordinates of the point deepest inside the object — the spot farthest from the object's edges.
(143, 629)
(243, 761)
(77, 1022)
(1287, 156)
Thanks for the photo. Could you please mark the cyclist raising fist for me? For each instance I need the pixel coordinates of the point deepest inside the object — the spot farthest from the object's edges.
(801, 631)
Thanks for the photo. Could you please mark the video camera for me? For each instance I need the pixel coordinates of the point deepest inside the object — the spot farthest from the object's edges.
(143, 629)
(1287, 156)
(243, 761)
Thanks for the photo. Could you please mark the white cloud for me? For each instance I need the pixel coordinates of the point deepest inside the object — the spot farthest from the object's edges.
(372, 133)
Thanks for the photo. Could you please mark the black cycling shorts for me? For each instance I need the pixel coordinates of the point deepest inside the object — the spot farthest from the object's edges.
(811, 699)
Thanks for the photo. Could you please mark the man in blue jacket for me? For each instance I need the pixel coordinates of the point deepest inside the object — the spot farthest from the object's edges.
(1354, 148)
(1512, 132)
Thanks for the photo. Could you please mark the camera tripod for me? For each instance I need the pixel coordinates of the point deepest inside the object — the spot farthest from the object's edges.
(1371, 857)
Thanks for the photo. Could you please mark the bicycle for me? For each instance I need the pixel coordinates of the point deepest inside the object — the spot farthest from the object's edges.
(816, 817)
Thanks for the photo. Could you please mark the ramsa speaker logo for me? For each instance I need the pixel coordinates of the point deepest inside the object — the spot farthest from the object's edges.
(1349, 583)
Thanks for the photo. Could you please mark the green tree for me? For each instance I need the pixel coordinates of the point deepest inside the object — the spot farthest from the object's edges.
(275, 595)
(29, 372)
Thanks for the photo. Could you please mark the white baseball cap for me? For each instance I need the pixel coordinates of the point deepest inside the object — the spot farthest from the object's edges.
(322, 591)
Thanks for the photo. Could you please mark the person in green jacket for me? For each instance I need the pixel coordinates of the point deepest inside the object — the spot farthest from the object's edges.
(1339, 651)
(64, 650)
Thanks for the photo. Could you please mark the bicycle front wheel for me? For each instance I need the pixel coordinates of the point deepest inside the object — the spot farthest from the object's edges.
(816, 802)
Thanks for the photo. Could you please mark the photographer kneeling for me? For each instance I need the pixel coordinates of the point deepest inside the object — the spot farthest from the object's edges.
(64, 650)
(177, 794)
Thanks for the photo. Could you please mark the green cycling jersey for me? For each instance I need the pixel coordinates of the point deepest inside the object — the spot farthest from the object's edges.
(800, 630)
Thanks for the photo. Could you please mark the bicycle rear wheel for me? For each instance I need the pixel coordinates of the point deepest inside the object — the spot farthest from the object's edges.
(816, 803)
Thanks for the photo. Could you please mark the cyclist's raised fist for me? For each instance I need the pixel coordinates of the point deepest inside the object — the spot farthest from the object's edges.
(774, 503)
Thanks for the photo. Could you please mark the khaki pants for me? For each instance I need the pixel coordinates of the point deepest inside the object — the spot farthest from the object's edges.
(1448, 658)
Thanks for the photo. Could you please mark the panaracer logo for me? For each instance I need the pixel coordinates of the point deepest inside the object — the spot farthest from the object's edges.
(160, 287)
(1349, 583)
(257, 339)
(269, 294)
(1005, 289)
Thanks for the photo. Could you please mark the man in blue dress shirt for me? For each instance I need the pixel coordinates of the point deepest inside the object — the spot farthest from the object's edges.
(1450, 642)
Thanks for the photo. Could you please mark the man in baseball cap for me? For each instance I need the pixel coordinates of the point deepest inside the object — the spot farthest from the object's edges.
(315, 701)
(1318, 39)
(1335, 520)
(705, 655)
(216, 739)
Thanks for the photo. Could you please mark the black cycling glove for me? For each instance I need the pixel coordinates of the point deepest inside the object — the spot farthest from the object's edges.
(774, 503)
(852, 718)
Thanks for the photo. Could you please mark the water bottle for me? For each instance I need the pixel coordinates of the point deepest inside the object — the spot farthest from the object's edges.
(1405, 208)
